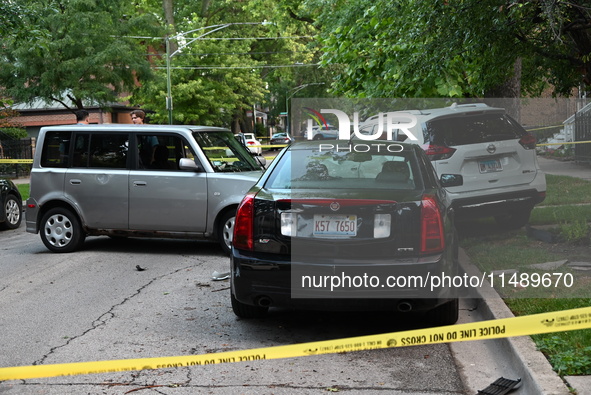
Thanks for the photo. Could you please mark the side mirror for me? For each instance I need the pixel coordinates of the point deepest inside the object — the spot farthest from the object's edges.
(188, 164)
(451, 180)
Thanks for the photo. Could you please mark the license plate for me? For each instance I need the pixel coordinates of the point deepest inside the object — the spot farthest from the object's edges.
(490, 166)
(335, 225)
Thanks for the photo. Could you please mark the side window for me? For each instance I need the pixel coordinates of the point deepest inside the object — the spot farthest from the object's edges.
(162, 151)
(101, 150)
(56, 149)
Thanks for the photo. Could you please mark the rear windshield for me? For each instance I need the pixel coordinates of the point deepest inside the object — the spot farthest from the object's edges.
(224, 152)
(329, 169)
(482, 128)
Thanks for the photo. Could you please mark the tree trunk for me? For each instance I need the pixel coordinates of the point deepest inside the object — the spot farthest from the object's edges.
(507, 94)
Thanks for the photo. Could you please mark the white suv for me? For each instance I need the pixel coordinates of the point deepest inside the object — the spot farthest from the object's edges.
(484, 158)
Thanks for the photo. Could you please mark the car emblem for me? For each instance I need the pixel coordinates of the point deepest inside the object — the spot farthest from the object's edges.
(491, 148)
(335, 206)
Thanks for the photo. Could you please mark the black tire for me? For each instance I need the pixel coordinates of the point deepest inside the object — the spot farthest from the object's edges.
(13, 213)
(513, 219)
(243, 310)
(318, 137)
(225, 230)
(61, 231)
(445, 314)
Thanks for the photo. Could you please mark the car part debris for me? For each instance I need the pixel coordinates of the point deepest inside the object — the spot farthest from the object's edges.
(217, 276)
(501, 387)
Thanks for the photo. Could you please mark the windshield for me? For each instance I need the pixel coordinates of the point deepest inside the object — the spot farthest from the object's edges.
(224, 152)
(331, 169)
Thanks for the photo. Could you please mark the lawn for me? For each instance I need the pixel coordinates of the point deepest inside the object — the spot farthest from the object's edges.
(566, 214)
(24, 190)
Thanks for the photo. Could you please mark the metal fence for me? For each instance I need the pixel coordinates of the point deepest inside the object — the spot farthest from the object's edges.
(16, 157)
(582, 134)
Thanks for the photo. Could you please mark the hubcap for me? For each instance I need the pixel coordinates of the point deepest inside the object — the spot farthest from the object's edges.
(58, 230)
(228, 232)
(12, 212)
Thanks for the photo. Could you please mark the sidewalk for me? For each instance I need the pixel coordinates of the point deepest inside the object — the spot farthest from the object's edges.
(564, 168)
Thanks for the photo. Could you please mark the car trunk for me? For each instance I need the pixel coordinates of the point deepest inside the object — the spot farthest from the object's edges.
(482, 169)
(313, 224)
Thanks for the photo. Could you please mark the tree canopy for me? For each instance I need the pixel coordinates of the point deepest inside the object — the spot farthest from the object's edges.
(75, 52)
(456, 48)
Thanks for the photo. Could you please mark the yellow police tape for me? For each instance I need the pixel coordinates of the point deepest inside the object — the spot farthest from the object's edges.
(16, 160)
(558, 321)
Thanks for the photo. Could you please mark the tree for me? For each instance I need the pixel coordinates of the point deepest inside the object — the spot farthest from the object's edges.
(457, 48)
(75, 52)
(215, 79)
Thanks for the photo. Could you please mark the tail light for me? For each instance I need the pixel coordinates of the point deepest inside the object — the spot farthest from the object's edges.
(250, 142)
(244, 223)
(438, 152)
(528, 141)
(432, 236)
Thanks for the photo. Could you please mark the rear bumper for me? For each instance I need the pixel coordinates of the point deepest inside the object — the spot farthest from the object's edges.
(276, 281)
(496, 204)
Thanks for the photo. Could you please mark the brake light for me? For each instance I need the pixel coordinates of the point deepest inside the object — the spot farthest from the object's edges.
(432, 236)
(250, 142)
(438, 152)
(528, 141)
(244, 224)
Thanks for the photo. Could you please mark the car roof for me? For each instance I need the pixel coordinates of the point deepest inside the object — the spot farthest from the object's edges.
(452, 110)
(128, 127)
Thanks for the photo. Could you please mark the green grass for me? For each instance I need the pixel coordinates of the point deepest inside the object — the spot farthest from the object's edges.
(566, 211)
(569, 352)
(24, 190)
(563, 190)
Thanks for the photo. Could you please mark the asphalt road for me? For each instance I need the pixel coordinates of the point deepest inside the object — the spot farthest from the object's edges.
(95, 305)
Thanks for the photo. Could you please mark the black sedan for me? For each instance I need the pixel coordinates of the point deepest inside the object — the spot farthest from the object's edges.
(346, 225)
(280, 139)
(12, 205)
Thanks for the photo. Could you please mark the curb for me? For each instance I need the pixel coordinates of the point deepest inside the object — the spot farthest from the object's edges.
(511, 357)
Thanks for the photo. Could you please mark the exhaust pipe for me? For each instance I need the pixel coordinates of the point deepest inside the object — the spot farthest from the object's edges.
(264, 301)
(404, 307)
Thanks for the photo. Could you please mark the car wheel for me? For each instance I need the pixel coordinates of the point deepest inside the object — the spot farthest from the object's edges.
(243, 310)
(318, 137)
(226, 231)
(445, 314)
(61, 230)
(13, 213)
(514, 219)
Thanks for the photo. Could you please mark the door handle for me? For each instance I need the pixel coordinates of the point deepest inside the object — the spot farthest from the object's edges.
(139, 183)
(75, 182)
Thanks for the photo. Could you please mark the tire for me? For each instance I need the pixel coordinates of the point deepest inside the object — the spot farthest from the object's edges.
(514, 219)
(445, 314)
(61, 230)
(247, 311)
(13, 213)
(225, 231)
(318, 137)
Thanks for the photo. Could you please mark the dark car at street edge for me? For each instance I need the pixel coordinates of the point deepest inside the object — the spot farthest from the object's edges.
(12, 205)
(389, 214)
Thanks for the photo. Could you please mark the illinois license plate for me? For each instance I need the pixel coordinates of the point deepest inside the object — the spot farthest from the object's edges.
(490, 166)
(335, 225)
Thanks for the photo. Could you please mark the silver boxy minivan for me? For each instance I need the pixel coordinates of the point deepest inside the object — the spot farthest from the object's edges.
(137, 181)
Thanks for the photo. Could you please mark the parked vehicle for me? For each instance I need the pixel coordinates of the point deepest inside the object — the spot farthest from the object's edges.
(326, 209)
(327, 132)
(12, 205)
(136, 181)
(251, 142)
(490, 157)
(282, 138)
